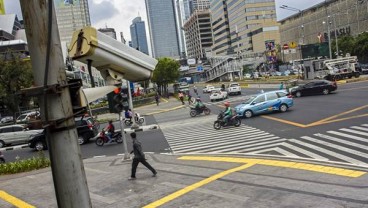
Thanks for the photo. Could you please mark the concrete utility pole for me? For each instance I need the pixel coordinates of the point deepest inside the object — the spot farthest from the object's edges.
(68, 173)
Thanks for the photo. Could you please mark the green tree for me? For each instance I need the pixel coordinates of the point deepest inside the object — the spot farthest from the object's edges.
(166, 72)
(355, 46)
(346, 45)
(15, 74)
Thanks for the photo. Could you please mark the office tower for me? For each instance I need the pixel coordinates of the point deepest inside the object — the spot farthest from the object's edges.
(138, 35)
(200, 5)
(162, 22)
(198, 34)
(252, 25)
(71, 15)
(108, 31)
(220, 28)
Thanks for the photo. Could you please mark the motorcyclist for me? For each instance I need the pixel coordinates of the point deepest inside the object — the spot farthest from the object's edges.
(110, 130)
(128, 114)
(228, 113)
(199, 105)
(195, 89)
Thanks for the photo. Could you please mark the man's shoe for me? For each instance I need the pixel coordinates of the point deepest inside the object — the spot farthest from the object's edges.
(154, 174)
(132, 178)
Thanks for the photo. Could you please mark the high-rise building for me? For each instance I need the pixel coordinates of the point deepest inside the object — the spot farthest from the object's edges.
(200, 5)
(162, 22)
(252, 25)
(220, 28)
(138, 35)
(108, 31)
(71, 16)
(198, 34)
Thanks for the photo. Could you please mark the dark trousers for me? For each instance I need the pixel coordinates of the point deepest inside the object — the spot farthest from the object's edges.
(135, 163)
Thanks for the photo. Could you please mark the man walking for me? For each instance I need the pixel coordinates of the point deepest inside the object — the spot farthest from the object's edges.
(139, 157)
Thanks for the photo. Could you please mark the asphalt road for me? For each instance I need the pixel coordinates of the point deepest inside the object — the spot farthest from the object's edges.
(351, 98)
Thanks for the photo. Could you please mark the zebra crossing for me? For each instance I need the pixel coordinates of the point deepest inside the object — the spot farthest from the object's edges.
(199, 137)
(346, 146)
(342, 146)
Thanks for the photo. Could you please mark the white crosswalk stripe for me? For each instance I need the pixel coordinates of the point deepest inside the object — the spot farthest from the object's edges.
(343, 146)
(197, 135)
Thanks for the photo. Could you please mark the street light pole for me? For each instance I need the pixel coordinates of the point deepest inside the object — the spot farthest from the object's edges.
(328, 35)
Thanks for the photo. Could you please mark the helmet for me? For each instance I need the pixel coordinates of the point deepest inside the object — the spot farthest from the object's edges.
(110, 122)
(227, 104)
(198, 99)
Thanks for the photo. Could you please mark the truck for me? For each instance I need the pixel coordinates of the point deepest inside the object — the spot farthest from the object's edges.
(331, 69)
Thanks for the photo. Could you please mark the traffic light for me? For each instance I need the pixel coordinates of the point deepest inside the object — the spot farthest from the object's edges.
(120, 100)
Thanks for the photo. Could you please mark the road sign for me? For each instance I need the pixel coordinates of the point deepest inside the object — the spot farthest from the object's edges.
(293, 44)
(293, 50)
(199, 68)
(286, 51)
(285, 46)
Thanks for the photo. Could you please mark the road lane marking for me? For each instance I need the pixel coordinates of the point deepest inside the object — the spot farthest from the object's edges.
(166, 110)
(340, 114)
(280, 163)
(327, 120)
(196, 185)
(249, 162)
(285, 121)
(14, 201)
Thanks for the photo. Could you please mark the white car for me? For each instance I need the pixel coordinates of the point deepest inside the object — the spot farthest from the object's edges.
(234, 88)
(217, 94)
(208, 89)
(16, 134)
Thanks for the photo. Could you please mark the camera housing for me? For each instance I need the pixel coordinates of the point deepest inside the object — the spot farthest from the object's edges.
(111, 57)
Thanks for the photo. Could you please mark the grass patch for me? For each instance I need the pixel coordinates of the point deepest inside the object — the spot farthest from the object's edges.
(20, 166)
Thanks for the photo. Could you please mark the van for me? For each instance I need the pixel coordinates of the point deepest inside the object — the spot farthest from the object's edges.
(25, 117)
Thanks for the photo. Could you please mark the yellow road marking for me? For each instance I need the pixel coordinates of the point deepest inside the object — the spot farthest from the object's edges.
(196, 185)
(285, 121)
(14, 201)
(280, 163)
(327, 120)
(340, 114)
(249, 163)
(336, 120)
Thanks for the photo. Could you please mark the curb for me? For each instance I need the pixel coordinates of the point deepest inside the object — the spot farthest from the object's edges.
(14, 148)
(163, 111)
(142, 128)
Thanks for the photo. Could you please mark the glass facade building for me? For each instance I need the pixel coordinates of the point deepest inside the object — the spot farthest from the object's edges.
(162, 21)
(138, 35)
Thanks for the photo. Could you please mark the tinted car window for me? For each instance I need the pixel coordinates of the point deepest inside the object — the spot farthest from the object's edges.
(260, 99)
(272, 96)
(7, 130)
(17, 128)
(81, 123)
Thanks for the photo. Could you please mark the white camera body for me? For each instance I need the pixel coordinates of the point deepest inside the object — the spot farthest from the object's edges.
(112, 58)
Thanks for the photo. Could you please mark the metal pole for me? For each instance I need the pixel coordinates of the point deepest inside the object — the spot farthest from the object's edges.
(336, 39)
(89, 66)
(126, 153)
(68, 173)
(134, 125)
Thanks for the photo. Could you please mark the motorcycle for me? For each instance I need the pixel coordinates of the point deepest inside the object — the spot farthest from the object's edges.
(220, 122)
(138, 119)
(194, 111)
(2, 159)
(102, 138)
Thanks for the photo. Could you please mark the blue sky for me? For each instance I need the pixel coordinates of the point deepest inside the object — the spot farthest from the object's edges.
(119, 14)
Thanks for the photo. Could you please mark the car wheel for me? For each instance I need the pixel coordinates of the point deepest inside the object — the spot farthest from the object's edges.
(81, 140)
(283, 108)
(239, 92)
(298, 94)
(40, 146)
(211, 100)
(325, 91)
(248, 114)
(2, 144)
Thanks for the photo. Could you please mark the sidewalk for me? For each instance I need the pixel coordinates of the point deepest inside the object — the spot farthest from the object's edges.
(151, 109)
(202, 181)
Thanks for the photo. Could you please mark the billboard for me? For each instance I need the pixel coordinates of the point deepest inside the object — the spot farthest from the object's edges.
(315, 50)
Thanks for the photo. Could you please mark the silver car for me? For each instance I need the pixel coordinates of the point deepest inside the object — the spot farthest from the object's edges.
(15, 134)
